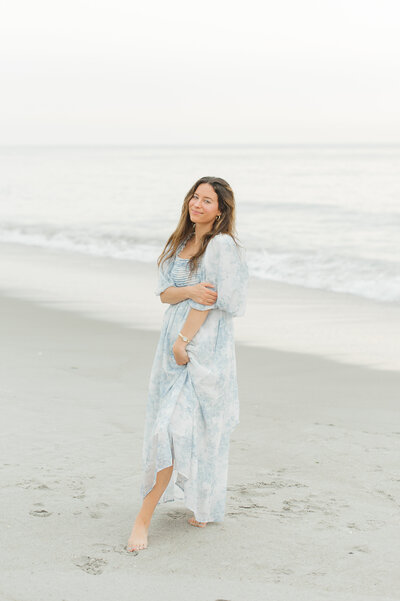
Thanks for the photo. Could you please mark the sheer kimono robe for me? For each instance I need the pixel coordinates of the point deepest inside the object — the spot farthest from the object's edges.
(193, 408)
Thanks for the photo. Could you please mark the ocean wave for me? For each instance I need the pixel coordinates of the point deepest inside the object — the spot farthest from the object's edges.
(95, 243)
(322, 269)
(367, 278)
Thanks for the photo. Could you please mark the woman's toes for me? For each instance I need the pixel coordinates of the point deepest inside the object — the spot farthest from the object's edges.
(194, 522)
(138, 547)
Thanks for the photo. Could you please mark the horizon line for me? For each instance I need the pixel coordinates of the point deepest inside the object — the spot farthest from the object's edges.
(185, 145)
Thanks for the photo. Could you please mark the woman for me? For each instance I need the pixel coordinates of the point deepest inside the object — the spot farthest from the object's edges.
(193, 403)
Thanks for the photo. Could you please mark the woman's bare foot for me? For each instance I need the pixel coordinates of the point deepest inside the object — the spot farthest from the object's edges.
(138, 537)
(194, 522)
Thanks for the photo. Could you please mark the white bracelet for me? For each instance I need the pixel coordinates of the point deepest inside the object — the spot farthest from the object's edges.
(184, 337)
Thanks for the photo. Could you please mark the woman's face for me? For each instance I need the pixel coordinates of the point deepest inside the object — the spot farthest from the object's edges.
(203, 206)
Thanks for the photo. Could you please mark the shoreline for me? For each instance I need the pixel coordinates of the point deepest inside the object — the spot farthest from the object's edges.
(340, 326)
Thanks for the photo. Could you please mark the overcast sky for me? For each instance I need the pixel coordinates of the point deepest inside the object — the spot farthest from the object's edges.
(205, 72)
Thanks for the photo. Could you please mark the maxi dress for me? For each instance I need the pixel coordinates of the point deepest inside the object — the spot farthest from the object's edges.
(193, 408)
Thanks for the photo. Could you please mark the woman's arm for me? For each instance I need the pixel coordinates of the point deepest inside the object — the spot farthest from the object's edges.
(192, 325)
(175, 294)
(200, 293)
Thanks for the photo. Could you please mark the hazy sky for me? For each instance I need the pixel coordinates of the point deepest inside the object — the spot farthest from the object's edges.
(218, 72)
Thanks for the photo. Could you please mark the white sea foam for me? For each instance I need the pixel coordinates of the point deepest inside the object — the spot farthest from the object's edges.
(320, 217)
(81, 240)
(375, 279)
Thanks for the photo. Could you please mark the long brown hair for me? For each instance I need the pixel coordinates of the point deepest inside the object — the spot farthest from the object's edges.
(225, 224)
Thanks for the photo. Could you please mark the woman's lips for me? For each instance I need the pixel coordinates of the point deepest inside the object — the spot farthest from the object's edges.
(195, 212)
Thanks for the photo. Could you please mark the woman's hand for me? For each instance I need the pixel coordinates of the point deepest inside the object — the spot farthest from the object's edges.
(202, 294)
(179, 350)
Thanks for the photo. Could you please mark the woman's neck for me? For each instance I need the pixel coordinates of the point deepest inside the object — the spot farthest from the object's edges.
(199, 232)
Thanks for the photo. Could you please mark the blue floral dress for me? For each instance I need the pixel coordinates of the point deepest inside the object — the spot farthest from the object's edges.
(193, 408)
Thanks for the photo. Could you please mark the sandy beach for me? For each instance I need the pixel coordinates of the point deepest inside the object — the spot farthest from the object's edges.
(313, 490)
(131, 131)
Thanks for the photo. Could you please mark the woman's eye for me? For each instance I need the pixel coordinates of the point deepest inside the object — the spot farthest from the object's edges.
(196, 198)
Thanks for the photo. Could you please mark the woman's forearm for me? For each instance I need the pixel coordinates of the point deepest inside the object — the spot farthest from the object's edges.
(193, 323)
(175, 294)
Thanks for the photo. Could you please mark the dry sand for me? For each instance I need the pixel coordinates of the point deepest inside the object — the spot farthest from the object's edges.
(313, 496)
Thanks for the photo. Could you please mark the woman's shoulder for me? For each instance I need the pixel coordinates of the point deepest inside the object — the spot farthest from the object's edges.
(222, 239)
(223, 247)
(225, 243)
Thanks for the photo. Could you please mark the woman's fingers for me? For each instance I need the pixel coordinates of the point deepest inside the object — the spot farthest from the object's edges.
(208, 285)
(203, 293)
(181, 359)
(212, 295)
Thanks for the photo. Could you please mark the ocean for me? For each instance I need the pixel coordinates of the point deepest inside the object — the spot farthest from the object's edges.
(325, 217)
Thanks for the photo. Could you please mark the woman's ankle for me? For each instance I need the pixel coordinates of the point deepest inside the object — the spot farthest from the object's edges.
(143, 519)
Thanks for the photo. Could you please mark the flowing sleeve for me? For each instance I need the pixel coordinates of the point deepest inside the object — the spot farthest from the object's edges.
(164, 276)
(225, 266)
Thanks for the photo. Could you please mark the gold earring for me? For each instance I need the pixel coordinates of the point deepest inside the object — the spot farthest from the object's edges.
(218, 217)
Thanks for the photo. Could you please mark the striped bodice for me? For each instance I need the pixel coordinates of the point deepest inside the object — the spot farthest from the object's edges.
(180, 273)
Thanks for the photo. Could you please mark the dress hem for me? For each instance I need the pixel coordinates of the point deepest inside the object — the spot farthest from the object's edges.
(189, 507)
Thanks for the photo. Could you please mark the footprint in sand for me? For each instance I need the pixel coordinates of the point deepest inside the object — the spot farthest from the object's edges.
(97, 513)
(121, 549)
(359, 549)
(33, 484)
(175, 515)
(78, 488)
(40, 513)
(91, 565)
